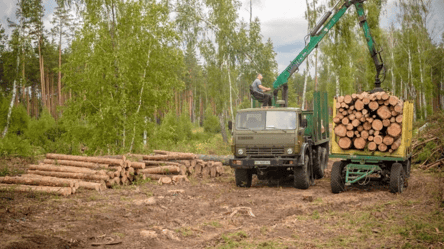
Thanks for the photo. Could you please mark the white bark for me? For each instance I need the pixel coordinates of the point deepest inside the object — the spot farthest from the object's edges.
(8, 119)
(140, 99)
(337, 85)
(231, 96)
(423, 100)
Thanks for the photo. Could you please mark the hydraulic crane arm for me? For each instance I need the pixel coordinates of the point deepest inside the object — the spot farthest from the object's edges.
(318, 33)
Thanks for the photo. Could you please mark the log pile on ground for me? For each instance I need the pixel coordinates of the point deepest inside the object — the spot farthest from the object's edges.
(169, 167)
(369, 121)
(428, 144)
(64, 174)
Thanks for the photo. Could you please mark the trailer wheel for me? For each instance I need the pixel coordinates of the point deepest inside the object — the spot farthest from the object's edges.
(321, 162)
(301, 174)
(243, 177)
(397, 178)
(337, 182)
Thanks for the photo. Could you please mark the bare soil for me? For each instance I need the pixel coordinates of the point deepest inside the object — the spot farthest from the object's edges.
(214, 213)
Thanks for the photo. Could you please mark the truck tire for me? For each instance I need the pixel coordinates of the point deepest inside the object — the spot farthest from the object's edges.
(243, 178)
(320, 162)
(337, 182)
(397, 178)
(301, 174)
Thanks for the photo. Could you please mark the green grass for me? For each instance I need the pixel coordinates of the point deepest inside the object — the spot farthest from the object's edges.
(214, 224)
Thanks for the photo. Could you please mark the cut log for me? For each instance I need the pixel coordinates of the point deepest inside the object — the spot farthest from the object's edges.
(384, 112)
(364, 111)
(392, 119)
(385, 96)
(75, 163)
(359, 105)
(41, 181)
(340, 130)
(388, 140)
(356, 133)
(356, 123)
(382, 147)
(362, 119)
(350, 127)
(348, 99)
(376, 133)
(354, 96)
(377, 139)
(366, 100)
(372, 146)
(336, 120)
(386, 122)
(340, 99)
(350, 134)
(393, 100)
(367, 126)
(345, 121)
(377, 125)
(394, 114)
(398, 108)
(396, 144)
(165, 180)
(371, 138)
(359, 143)
(161, 170)
(358, 115)
(92, 185)
(109, 161)
(394, 130)
(206, 172)
(371, 132)
(65, 191)
(50, 167)
(198, 168)
(178, 156)
(162, 152)
(183, 170)
(364, 134)
(69, 175)
(138, 165)
(399, 119)
(373, 105)
(213, 172)
(150, 163)
(360, 128)
(344, 143)
(351, 117)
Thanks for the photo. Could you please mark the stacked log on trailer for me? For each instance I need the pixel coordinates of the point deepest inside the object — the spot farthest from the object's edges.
(172, 167)
(370, 122)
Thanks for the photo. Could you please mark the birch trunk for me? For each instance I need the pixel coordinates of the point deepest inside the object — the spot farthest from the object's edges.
(140, 99)
(59, 82)
(231, 97)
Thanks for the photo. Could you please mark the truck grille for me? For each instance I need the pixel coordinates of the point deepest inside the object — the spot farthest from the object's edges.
(265, 151)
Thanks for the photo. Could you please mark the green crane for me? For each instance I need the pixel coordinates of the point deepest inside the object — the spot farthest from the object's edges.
(317, 34)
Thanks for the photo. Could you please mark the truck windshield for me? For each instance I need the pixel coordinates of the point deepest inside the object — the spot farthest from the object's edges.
(266, 120)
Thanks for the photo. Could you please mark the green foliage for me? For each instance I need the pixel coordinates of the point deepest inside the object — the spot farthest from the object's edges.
(211, 122)
(13, 145)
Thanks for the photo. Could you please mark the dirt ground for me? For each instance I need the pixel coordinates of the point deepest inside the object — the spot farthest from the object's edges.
(214, 213)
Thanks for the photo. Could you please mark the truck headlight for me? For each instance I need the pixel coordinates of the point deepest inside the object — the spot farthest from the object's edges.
(240, 151)
(289, 151)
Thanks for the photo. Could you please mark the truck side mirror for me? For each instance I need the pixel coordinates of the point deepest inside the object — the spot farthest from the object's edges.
(230, 124)
(304, 122)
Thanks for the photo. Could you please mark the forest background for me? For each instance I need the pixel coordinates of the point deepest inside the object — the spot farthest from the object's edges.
(115, 76)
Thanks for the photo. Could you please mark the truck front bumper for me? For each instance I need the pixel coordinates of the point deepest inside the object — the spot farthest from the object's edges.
(245, 163)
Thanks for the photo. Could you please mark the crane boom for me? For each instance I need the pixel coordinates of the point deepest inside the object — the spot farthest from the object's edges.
(318, 33)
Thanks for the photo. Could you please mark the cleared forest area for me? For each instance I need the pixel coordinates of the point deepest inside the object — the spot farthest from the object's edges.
(214, 213)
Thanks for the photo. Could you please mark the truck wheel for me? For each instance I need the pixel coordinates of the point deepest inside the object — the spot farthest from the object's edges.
(397, 178)
(301, 174)
(337, 182)
(320, 162)
(243, 178)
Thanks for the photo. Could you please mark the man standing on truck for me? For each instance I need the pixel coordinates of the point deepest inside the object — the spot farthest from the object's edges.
(257, 90)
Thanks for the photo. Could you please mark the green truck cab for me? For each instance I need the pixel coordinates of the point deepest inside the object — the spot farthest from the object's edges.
(281, 141)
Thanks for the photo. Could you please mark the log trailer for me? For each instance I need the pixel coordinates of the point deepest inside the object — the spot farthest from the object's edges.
(282, 141)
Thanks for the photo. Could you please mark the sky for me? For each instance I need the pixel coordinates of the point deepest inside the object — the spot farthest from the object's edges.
(282, 21)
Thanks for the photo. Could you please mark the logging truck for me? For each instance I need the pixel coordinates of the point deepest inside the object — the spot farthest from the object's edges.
(281, 141)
